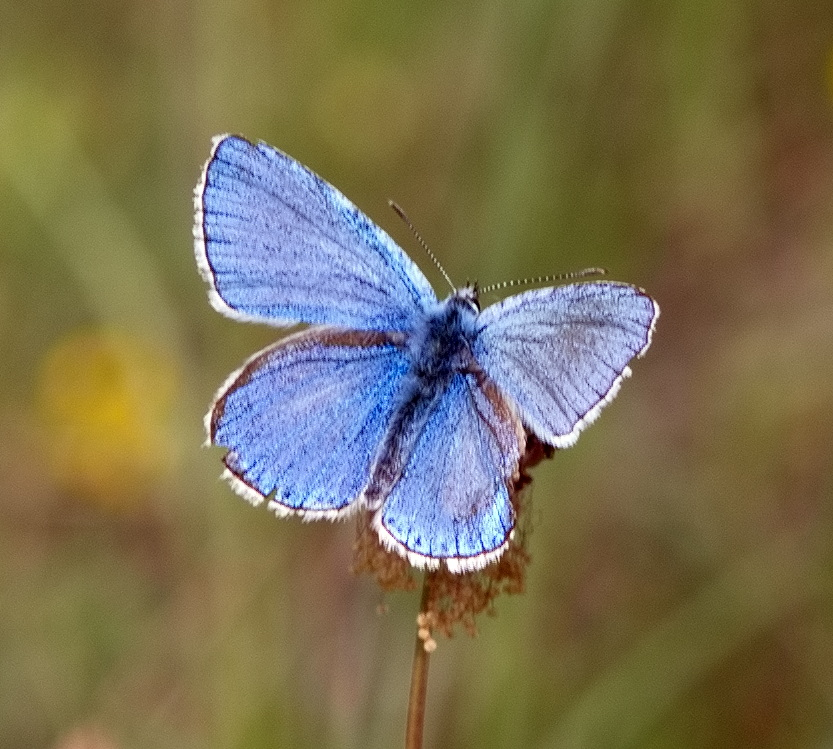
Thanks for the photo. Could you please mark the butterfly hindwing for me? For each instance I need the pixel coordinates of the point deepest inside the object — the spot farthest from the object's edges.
(303, 419)
(452, 500)
(279, 245)
(561, 353)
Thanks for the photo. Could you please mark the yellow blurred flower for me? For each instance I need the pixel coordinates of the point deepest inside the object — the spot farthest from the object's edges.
(106, 401)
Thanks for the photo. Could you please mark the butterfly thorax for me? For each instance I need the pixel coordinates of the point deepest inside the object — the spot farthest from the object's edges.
(440, 346)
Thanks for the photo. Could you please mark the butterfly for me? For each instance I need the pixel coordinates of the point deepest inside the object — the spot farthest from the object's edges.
(391, 401)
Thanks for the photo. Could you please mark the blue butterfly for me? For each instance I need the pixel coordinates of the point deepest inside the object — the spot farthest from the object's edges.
(392, 401)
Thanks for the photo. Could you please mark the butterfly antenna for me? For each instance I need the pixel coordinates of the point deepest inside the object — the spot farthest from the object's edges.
(545, 279)
(401, 214)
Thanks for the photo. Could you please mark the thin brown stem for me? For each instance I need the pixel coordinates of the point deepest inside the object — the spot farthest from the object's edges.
(419, 676)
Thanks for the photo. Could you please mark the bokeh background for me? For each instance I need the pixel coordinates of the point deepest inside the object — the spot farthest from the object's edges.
(681, 590)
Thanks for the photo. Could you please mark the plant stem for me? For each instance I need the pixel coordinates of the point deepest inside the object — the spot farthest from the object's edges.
(419, 682)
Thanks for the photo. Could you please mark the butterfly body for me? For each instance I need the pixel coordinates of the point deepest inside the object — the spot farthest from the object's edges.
(392, 401)
(439, 349)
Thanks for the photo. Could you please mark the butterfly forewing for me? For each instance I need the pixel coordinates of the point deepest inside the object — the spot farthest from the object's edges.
(279, 245)
(561, 353)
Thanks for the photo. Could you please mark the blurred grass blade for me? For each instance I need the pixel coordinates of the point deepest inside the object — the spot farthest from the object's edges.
(751, 596)
(47, 168)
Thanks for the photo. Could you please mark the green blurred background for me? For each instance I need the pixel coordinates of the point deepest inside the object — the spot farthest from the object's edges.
(681, 590)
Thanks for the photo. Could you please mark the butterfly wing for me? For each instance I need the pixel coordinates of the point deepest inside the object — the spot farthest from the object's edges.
(561, 353)
(279, 245)
(452, 500)
(303, 418)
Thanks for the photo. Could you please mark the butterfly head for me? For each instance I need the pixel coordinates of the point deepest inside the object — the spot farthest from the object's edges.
(467, 296)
